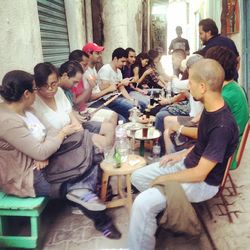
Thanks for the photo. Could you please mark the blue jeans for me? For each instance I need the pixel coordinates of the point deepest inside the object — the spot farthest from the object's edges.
(93, 126)
(151, 202)
(143, 100)
(120, 105)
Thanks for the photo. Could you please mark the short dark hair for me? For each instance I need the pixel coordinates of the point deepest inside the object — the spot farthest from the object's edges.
(119, 53)
(226, 58)
(70, 68)
(129, 50)
(178, 28)
(42, 72)
(209, 24)
(14, 84)
(76, 55)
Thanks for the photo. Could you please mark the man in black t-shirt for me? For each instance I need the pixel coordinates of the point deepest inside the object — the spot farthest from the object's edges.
(199, 171)
(210, 37)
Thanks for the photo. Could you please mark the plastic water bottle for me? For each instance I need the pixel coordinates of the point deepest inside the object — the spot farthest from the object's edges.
(169, 90)
(121, 145)
(156, 150)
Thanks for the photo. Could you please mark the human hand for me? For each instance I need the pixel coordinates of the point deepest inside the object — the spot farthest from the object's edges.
(112, 87)
(39, 165)
(71, 129)
(82, 118)
(148, 71)
(125, 82)
(170, 159)
(144, 91)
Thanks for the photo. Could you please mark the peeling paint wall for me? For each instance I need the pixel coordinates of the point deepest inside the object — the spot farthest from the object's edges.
(19, 36)
(122, 25)
(75, 23)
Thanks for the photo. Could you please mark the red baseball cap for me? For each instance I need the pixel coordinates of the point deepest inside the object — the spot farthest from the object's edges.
(92, 47)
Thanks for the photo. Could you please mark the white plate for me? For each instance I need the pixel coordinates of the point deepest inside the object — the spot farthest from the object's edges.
(153, 133)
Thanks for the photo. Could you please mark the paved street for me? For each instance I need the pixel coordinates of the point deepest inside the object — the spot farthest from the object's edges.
(66, 231)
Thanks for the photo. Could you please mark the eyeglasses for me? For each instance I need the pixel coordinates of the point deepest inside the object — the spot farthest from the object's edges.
(50, 86)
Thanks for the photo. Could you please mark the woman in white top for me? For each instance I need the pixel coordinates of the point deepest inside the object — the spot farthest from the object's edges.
(52, 104)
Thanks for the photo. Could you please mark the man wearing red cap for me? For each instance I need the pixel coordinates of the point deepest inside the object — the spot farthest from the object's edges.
(90, 76)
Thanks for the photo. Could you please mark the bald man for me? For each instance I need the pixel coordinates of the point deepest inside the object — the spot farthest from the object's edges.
(199, 171)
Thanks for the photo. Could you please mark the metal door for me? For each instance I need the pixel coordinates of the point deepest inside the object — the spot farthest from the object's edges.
(54, 32)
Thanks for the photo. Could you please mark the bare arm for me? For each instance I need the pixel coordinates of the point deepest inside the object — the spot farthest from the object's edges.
(84, 97)
(75, 121)
(140, 79)
(103, 92)
(125, 93)
(104, 84)
(191, 132)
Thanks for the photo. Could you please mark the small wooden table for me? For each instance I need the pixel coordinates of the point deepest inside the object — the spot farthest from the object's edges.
(134, 162)
(153, 134)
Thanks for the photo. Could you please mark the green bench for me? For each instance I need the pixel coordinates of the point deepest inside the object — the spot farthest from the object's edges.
(24, 207)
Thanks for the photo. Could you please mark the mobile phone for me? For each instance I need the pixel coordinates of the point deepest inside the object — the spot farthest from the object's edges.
(134, 84)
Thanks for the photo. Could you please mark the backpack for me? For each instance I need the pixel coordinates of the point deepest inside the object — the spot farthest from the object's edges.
(73, 159)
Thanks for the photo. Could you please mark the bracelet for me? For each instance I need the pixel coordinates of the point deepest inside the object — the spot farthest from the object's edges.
(178, 132)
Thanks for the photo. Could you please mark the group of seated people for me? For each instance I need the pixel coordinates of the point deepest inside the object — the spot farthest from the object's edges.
(200, 120)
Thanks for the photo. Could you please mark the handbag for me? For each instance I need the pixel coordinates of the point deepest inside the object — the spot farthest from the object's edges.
(75, 157)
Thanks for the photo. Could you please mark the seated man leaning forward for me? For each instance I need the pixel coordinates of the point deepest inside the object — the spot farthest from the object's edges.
(110, 75)
(200, 171)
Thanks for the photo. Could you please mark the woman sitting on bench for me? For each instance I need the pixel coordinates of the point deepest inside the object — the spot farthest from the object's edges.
(26, 143)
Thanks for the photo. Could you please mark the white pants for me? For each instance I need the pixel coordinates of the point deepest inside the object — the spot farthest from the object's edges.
(151, 202)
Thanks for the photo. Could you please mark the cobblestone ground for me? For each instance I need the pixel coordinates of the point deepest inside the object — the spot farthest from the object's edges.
(66, 231)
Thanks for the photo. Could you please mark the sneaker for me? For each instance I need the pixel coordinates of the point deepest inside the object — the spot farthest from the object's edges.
(90, 201)
(111, 232)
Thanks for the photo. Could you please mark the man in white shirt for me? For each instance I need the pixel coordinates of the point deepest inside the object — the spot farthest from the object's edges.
(110, 77)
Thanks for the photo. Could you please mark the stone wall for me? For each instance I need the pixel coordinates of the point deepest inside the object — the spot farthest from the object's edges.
(122, 25)
(19, 36)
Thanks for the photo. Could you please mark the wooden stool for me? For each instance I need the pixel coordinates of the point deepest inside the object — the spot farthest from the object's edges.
(134, 162)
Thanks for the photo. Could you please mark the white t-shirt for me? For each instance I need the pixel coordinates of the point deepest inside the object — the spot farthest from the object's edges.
(195, 106)
(106, 73)
(35, 127)
(59, 118)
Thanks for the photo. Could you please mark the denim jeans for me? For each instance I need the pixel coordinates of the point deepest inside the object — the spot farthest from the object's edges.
(151, 202)
(41, 186)
(120, 105)
(143, 100)
(93, 126)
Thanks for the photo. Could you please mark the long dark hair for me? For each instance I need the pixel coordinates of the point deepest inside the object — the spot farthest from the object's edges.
(138, 64)
(14, 84)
